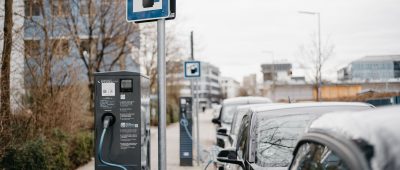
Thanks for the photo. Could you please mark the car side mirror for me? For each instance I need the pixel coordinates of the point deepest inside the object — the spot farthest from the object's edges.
(222, 131)
(229, 156)
(216, 121)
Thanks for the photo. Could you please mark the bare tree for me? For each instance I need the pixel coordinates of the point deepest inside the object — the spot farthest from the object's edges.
(53, 90)
(5, 109)
(104, 39)
(146, 56)
(314, 57)
(52, 94)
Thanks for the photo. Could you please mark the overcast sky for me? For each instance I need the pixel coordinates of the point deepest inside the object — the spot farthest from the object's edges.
(239, 35)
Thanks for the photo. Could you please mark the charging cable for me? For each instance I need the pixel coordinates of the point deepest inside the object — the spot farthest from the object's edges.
(185, 123)
(106, 124)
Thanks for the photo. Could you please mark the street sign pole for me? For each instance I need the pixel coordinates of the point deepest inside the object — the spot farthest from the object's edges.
(162, 121)
(196, 101)
(148, 11)
(197, 122)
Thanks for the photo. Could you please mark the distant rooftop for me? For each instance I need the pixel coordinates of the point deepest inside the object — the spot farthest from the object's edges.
(379, 58)
(276, 67)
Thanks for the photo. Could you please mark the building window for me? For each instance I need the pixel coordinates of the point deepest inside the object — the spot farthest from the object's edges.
(32, 8)
(32, 48)
(397, 69)
(60, 47)
(397, 65)
(59, 8)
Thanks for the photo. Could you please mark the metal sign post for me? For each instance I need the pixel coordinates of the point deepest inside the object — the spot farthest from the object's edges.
(196, 100)
(197, 122)
(162, 121)
(147, 11)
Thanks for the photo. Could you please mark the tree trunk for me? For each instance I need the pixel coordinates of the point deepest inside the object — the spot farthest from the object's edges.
(6, 58)
(91, 91)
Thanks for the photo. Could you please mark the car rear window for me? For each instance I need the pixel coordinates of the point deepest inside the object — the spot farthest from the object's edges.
(236, 122)
(277, 138)
(278, 131)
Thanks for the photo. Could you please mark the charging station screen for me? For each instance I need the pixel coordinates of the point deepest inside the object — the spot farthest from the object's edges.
(126, 85)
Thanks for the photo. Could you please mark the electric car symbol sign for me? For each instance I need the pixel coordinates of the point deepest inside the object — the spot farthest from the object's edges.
(147, 10)
(192, 69)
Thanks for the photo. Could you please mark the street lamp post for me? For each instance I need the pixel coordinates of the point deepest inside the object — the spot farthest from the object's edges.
(319, 49)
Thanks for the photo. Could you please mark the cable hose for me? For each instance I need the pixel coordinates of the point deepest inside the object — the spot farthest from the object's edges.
(101, 149)
(185, 123)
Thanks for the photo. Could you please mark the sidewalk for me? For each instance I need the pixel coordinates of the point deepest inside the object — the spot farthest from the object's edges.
(207, 140)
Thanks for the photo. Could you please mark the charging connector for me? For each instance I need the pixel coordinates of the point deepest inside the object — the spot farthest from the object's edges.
(108, 121)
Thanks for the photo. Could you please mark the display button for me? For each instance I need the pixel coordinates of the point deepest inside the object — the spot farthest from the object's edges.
(126, 85)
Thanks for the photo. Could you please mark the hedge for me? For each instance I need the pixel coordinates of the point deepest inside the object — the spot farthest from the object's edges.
(60, 152)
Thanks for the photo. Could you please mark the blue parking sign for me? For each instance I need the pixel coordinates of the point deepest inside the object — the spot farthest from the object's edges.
(192, 69)
(147, 10)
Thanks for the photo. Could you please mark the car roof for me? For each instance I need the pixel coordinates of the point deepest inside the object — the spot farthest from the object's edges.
(246, 100)
(380, 128)
(248, 106)
(308, 104)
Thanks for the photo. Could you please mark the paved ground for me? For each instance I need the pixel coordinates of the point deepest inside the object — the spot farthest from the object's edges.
(207, 140)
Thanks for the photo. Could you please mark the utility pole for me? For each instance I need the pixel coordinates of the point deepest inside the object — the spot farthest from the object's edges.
(319, 56)
(191, 45)
(319, 71)
(195, 99)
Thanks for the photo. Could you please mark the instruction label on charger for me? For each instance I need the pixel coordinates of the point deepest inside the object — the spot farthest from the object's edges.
(108, 89)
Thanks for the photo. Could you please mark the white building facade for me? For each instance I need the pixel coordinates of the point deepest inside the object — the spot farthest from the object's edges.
(229, 87)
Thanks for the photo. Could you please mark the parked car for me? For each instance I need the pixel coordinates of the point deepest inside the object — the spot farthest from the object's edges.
(229, 106)
(229, 140)
(267, 135)
(367, 140)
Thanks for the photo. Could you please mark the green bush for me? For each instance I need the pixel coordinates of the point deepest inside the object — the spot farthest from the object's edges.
(61, 152)
(32, 156)
(82, 148)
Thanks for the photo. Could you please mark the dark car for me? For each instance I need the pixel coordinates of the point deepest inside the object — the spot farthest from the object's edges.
(367, 140)
(268, 135)
(229, 106)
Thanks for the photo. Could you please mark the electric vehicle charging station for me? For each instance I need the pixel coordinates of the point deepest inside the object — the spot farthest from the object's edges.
(185, 129)
(122, 121)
